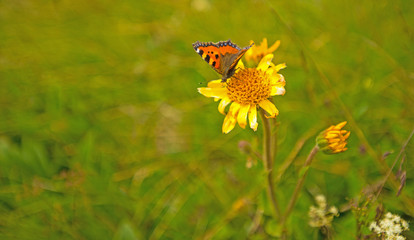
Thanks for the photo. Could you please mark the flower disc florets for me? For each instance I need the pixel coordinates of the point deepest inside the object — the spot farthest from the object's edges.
(249, 86)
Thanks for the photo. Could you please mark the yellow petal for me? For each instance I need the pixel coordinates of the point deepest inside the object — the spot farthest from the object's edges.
(347, 135)
(271, 72)
(234, 108)
(274, 46)
(215, 84)
(249, 54)
(240, 65)
(333, 145)
(213, 92)
(334, 140)
(274, 75)
(331, 134)
(341, 125)
(279, 66)
(223, 103)
(281, 80)
(265, 62)
(277, 80)
(269, 107)
(277, 91)
(253, 117)
(228, 123)
(242, 116)
(264, 43)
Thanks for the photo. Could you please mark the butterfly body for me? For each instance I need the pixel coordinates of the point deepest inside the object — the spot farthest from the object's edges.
(222, 56)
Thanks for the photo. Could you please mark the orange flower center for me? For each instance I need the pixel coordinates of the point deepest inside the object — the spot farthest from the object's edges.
(249, 86)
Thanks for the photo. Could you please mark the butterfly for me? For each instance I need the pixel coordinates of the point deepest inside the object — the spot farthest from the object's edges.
(222, 56)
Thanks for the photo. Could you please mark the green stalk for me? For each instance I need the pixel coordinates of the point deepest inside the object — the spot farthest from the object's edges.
(299, 185)
(268, 163)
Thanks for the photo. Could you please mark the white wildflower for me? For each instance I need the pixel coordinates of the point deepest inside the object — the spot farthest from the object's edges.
(404, 224)
(390, 227)
(321, 216)
(374, 227)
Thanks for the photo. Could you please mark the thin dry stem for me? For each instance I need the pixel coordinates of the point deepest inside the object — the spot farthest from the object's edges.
(394, 163)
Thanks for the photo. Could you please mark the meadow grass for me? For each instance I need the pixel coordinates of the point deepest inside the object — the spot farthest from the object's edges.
(103, 134)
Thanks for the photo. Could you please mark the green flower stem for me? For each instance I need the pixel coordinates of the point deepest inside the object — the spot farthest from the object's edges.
(268, 163)
(274, 134)
(299, 185)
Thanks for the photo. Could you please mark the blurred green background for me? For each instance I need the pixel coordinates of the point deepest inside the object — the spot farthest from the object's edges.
(103, 134)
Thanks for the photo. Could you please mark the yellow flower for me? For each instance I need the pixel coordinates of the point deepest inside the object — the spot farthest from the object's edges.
(258, 52)
(333, 139)
(245, 90)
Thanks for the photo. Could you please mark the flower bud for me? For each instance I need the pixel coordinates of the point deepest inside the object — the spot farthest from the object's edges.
(333, 139)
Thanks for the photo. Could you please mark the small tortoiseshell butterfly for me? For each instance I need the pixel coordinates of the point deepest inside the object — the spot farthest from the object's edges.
(222, 56)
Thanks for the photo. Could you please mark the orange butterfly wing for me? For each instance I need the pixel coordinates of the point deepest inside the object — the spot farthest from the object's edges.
(210, 52)
(222, 56)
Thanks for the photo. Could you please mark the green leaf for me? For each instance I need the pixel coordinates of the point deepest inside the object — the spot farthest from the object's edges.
(273, 228)
(125, 232)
